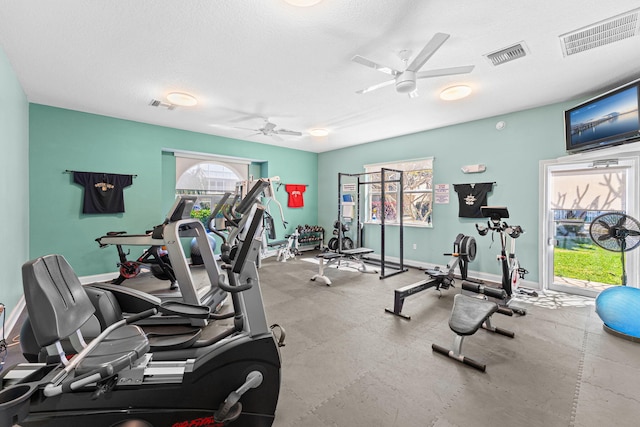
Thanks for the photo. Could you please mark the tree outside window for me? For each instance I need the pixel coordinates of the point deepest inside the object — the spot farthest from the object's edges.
(417, 192)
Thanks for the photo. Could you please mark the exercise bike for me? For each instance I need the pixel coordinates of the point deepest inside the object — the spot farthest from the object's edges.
(155, 258)
(512, 272)
(114, 381)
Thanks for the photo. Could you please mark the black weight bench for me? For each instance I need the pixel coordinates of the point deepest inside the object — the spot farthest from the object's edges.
(348, 254)
(467, 316)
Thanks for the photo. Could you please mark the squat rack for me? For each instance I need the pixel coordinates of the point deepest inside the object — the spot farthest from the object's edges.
(362, 181)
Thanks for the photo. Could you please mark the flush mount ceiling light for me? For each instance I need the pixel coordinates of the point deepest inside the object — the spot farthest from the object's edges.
(182, 99)
(303, 3)
(454, 93)
(319, 132)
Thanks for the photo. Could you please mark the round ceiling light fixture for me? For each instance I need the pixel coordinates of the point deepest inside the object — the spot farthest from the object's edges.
(454, 93)
(303, 3)
(182, 99)
(319, 132)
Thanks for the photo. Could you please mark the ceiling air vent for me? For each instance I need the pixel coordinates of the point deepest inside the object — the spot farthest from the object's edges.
(601, 33)
(156, 103)
(507, 54)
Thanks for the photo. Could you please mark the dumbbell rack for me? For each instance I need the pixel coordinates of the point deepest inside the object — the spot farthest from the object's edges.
(311, 237)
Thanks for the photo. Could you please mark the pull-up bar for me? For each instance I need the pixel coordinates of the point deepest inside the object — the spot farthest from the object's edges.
(384, 263)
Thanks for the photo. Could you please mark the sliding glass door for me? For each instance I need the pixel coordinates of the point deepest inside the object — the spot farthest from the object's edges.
(575, 194)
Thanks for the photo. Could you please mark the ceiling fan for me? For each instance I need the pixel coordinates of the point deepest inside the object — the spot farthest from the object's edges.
(405, 81)
(269, 129)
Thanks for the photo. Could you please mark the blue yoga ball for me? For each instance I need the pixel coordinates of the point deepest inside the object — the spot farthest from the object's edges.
(619, 309)
(196, 256)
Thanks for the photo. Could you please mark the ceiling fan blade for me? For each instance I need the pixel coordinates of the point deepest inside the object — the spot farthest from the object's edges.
(427, 51)
(369, 63)
(378, 86)
(287, 132)
(245, 117)
(253, 130)
(268, 127)
(445, 71)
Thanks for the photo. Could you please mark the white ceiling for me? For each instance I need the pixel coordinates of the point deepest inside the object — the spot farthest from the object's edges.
(247, 60)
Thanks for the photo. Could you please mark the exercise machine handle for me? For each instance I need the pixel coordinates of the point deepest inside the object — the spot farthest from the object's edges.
(225, 414)
(232, 287)
(141, 315)
(485, 290)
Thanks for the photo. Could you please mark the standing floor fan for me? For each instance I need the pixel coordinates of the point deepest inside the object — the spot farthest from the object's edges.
(618, 306)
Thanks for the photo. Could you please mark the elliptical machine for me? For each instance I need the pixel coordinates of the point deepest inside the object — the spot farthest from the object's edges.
(115, 382)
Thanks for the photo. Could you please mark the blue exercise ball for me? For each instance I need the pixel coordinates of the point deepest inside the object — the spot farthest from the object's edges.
(196, 256)
(619, 309)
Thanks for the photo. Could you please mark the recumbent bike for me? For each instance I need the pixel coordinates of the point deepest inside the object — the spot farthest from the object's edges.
(115, 382)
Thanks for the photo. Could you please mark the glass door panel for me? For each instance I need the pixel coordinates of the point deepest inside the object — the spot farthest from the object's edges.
(576, 197)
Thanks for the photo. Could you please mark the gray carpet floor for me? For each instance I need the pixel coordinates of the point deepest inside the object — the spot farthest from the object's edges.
(348, 363)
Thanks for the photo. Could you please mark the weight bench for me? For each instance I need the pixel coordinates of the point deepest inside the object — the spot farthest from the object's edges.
(467, 316)
(282, 250)
(332, 257)
(355, 255)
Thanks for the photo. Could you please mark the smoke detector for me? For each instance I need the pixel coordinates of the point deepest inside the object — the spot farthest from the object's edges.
(601, 33)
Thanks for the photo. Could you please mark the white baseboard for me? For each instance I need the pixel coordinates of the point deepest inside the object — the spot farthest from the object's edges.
(12, 318)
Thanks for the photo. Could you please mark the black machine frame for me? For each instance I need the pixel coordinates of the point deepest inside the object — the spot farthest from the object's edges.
(361, 181)
(504, 291)
(246, 360)
(464, 252)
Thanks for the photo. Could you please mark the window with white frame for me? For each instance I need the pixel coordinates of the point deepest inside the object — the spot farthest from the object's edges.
(417, 192)
(209, 178)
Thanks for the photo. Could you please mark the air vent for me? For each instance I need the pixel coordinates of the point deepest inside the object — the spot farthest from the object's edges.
(601, 33)
(507, 54)
(156, 103)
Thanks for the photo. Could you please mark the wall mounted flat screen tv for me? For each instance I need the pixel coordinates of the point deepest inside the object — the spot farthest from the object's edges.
(610, 119)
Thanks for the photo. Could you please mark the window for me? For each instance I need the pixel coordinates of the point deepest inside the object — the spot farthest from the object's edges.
(417, 192)
(209, 181)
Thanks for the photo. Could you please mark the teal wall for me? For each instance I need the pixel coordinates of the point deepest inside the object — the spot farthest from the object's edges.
(14, 183)
(511, 156)
(63, 139)
(70, 140)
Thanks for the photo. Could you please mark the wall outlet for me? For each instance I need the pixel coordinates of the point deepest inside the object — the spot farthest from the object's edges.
(415, 246)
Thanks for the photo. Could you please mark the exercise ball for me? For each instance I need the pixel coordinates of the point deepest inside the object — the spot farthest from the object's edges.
(196, 256)
(619, 309)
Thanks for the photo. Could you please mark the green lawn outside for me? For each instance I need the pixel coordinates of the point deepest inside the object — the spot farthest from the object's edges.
(588, 262)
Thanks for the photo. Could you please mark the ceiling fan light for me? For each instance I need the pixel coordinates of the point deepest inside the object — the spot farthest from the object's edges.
(303, 3)
(406, 82)
(453, 93)
(182, 99)
(319, 132)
